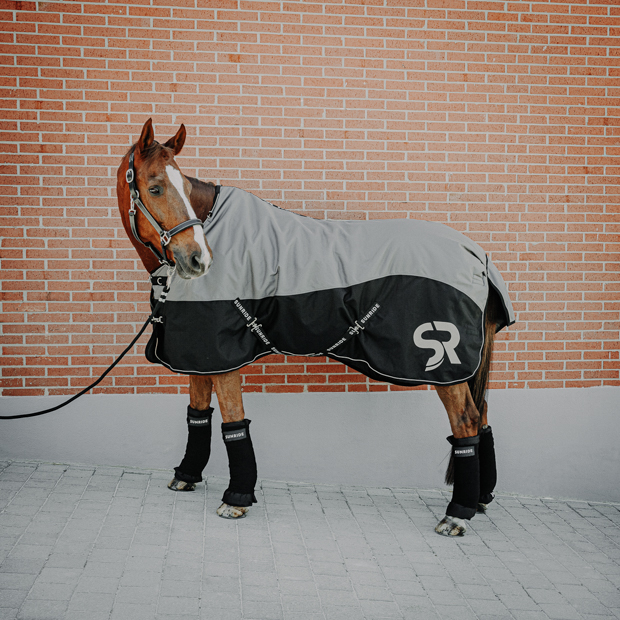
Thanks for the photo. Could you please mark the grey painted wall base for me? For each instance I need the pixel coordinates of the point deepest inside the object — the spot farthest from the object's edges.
(555, 443)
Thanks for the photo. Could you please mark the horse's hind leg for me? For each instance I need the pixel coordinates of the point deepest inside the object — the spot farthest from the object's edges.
(198, 448)
(465, 421)
(239, 495)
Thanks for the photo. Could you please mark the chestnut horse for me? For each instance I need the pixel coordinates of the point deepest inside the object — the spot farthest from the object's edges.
(171, 209)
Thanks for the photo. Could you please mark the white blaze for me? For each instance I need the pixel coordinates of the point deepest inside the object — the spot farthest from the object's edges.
(199, 236)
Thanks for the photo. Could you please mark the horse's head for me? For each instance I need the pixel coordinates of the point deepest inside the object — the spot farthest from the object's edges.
(164, 191)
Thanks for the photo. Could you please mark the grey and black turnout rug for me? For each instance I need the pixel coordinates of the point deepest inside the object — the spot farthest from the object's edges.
(401, 301)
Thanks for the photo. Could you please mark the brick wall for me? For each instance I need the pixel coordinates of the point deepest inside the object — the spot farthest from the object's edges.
(500, 119)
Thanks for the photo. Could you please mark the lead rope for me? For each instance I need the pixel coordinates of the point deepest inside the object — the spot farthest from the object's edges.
(160, 301)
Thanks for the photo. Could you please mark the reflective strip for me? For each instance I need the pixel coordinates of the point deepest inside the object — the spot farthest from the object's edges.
(198, 421)
(236, 435)
(465, 451)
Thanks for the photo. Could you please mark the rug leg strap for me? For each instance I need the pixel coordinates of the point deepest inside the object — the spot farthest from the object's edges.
(198, 448)
(488, 468)
(241, 463)
(466, 491)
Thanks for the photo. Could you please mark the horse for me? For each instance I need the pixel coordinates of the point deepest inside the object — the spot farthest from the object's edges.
(165, 214)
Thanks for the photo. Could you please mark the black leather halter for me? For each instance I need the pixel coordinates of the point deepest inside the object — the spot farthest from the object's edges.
(165, 236)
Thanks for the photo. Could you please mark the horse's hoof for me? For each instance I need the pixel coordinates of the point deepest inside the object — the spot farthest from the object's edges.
(180, 485)
(451, 526)
(232, 512)
(482, 507)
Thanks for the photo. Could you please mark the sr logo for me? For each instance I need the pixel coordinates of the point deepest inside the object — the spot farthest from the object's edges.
(441, 348)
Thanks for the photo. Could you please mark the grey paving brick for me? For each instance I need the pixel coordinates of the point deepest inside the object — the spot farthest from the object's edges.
(514, 602)
(489, 607)
(446, 597)
(97, 584)
(338, 597)
(380, 609)
(91, 602)
(137, 594)
(179, 605)
(104, 569)
(12, 598)
(342, 613)
(408, 588)
(373, 593)
(22, 566)
(52, 591)
(560, 612)
(132, 611)
(296, 603)
(262, 610)
(292, 615)
(455, 612)
(42, 610)
(16, 581)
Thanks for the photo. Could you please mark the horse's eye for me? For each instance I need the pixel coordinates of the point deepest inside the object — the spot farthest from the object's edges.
(155, 190)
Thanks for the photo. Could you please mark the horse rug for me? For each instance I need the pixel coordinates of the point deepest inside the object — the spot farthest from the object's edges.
(400, 301)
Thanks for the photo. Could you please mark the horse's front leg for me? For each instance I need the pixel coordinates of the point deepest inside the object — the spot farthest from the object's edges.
(239, 495)
(464, 468)
(198, 449)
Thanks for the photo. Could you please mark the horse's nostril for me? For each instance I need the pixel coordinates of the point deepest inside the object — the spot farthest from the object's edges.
(195, 261)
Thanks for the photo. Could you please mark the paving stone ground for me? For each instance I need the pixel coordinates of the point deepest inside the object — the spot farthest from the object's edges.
(110, 543)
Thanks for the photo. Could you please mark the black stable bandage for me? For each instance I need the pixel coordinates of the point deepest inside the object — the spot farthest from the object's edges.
(488, 468)
(241, 463)
(466, 491)
(198, 447)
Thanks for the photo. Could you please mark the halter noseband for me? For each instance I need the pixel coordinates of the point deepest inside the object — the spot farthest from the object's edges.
(165, 236)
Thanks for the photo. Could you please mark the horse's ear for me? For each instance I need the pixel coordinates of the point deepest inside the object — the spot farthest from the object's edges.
(176, 142)
(147, 136)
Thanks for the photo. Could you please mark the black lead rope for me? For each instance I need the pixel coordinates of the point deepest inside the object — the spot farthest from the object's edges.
(160, 301)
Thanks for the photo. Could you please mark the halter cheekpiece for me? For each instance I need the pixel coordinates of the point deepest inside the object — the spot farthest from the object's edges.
(165, 236)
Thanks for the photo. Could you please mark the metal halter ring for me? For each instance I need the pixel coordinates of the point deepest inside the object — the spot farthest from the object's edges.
(165, 237)
(129, 175)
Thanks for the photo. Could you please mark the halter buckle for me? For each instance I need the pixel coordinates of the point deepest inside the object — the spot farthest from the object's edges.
(129, 175)
(165, 237)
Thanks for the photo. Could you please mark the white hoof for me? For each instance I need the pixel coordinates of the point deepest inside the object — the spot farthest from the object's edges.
(232, 512)
(451, 526)
(180, 485)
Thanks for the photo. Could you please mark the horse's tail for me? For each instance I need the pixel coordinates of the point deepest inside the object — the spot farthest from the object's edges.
(479, 382)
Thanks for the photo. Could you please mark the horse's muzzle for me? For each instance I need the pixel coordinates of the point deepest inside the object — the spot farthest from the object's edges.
(192, 264)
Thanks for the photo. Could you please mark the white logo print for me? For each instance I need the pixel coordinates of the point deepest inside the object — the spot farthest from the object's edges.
(441, 348)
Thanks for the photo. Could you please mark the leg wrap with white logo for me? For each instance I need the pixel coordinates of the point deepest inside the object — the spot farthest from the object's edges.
(466, 491)
(488, 468)
(241, 463)
(198, 448)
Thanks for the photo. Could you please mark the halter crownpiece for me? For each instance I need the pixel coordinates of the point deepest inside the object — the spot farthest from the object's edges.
(165, 236)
